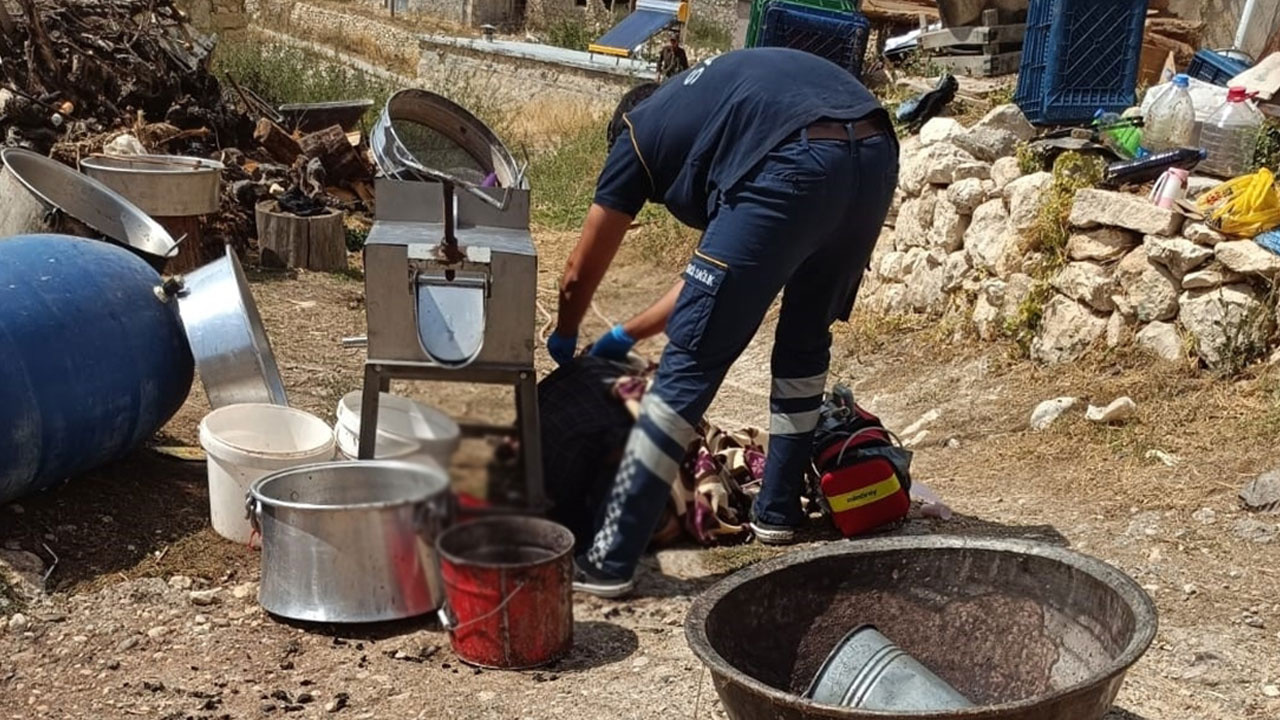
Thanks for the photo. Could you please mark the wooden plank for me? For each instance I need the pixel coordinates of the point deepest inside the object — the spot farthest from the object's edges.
(981, 65)
(901, 12)
(1263, 78)
(973, 35)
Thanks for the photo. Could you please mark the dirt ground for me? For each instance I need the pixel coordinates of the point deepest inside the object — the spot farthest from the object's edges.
(119, 634)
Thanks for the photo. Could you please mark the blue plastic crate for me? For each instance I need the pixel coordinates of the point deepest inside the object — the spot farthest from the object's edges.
(840, 37)
(1080, 56)
(1215, 68)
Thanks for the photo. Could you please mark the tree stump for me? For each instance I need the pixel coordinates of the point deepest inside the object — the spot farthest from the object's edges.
(309, 243)
(191, 254)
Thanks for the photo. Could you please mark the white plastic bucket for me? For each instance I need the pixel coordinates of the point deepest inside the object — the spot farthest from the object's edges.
(407, 430)
(247, 442)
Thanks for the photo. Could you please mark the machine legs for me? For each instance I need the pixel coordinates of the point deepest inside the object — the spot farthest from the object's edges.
(377, 378)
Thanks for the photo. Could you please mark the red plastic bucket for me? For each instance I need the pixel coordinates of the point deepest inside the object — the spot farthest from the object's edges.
(508, 590)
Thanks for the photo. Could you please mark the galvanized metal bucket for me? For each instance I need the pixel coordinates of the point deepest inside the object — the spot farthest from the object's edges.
(866, 670)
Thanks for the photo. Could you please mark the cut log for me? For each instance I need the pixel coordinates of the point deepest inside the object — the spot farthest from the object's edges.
(331, 147)
(1182, 52)
(279, 144)
(1182, 31)
(191, 253)
(310, 243)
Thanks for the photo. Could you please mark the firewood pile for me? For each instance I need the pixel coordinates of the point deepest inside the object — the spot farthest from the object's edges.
(76, 76)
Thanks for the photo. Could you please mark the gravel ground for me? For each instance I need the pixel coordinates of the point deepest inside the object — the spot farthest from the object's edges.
(148, 614)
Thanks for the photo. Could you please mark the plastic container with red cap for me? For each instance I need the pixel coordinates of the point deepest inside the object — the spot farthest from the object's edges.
(1230, 136)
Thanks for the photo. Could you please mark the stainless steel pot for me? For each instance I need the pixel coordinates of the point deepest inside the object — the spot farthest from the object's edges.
(161, 185)
(233, 355)
(351, 542)
(38, 193)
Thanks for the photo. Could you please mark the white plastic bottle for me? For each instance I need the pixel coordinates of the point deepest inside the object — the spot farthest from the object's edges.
(1171, 120)
(1230, 136)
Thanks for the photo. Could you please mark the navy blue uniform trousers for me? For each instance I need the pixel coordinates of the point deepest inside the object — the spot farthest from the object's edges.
(803, 222)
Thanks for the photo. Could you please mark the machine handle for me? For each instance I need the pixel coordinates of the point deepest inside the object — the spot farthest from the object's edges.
(355, 341)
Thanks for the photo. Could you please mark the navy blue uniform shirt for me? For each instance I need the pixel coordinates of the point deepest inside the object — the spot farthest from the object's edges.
(704, 129)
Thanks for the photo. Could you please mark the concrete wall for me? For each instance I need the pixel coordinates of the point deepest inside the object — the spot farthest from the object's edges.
(216, 14)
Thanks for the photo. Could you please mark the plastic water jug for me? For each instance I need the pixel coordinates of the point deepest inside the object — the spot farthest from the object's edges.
(1230, 136)
(1171, 119)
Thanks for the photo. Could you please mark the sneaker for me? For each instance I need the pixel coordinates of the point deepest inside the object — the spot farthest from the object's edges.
(585, 581)
(770, 534)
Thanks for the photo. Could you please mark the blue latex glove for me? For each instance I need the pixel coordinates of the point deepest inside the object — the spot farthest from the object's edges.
(613, 345)
(562, 348)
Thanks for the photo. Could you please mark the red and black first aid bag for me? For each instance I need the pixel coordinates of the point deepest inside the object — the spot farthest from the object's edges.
(862, 472)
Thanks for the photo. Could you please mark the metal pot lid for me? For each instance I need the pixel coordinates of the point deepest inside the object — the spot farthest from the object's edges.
(232, 353)
(421, 135)
(89, 201)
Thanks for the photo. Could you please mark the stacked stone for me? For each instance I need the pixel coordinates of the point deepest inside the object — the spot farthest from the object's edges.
(964, 215)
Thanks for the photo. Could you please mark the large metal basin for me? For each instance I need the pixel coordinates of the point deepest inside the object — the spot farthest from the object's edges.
(37, 193)
(161, 185)
(351, 542)
(1025, 631)
(231, 349)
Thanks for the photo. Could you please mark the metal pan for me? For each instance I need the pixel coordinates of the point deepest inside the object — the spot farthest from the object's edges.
(232, 353)
(36, 193)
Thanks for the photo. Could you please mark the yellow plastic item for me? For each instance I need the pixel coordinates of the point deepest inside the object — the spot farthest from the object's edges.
(1244, 206)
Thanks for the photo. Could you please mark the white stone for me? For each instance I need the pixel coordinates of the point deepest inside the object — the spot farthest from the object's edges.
(18, 623)
(997, 134)
(948, 226)
(988, 237)
(891, 264)
(1016, 289)
(1205, 516)
(1247, 257)
(1104, 244)
(1230, 323)
(923, 422)
(1162, 340)
(940, 129)
(893, 299)
(935, 164)
(1179, 255)
(1197, 185)
(124, 144)
(956, 270)
(913, 260)
(1146, 290)
(966, 195)
(1093, 207)
(971, 171)
(203, 598)
(1120, 410)
(157, 632)
(1212, 276)
(987, 316)
(915, 220)
(924, 287)
(180, 582)
(1049, 411)
(1119, 330)
(1026, 197)
(1088, 283)
(1202, 234)
(1004, 171)
(1067, 330)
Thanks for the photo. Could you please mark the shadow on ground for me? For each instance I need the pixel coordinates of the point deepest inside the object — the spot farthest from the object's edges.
(1122, 714)
(144, 516)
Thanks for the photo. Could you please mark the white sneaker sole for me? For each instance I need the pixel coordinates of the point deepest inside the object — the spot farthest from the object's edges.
(773, 537)
(608, 592)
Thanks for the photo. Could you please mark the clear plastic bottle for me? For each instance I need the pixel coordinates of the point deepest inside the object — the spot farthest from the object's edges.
(1230, 136)
(1171, 120)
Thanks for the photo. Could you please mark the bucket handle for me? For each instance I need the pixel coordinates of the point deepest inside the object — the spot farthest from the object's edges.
(252, 511)
(449, 621)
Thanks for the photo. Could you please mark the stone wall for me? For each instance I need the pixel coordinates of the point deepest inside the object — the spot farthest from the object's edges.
(379, 40)
(216, 14)
(1134, 273)
(517, 79)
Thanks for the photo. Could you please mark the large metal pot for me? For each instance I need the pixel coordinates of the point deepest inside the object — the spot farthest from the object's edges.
(38, 194)
(161, 185)
(232, 353)
(351, 542)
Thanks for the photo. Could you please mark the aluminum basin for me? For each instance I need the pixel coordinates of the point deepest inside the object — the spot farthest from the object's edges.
(161, 185)
(1026, 631)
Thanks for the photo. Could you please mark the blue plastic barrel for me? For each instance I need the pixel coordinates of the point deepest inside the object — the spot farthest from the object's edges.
(91, 361)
